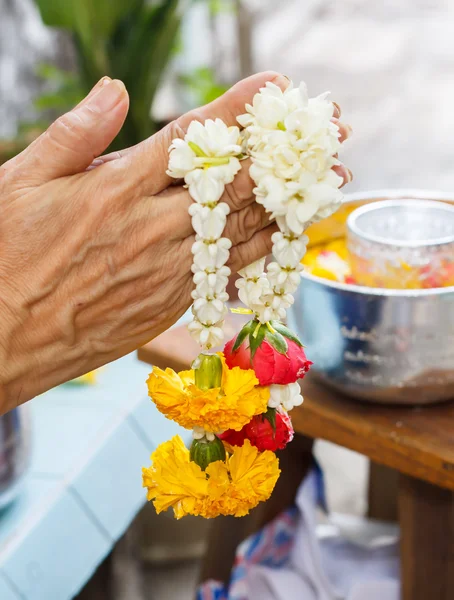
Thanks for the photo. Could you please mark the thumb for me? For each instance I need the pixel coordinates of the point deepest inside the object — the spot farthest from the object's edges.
(77, 137)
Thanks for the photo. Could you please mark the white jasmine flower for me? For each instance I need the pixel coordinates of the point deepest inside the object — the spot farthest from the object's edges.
(181, 159)
(268, 108)
(271, 106)
(224, 270)
(287, 396)
(211, 149)
(211, 255)
(208, 336)
(204, 185)
(289, 249)
(282, 300)
(251, 290)
(209, 310)
(205, 182)
(214, 138)
(306, 203)
(211, 284)
(272, 193)
(254, 270)
(198, 433)
(284, 278)
(265, 313)
(208, 222)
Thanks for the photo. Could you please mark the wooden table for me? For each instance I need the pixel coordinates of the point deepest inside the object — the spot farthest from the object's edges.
(417, 444)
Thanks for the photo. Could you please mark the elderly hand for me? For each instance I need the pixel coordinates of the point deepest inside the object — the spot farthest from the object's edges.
(95, 255)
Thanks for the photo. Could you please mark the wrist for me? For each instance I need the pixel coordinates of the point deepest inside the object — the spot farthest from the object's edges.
(32, 352)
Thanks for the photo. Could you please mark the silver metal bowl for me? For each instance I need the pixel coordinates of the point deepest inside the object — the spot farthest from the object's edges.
(378, 345)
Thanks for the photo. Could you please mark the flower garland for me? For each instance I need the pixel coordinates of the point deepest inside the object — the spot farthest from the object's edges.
(237, 402)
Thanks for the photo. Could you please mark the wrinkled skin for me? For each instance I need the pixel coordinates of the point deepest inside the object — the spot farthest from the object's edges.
(95, 253)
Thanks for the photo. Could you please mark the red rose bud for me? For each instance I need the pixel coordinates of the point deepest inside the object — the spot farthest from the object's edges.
(277, 356)
(271, 431)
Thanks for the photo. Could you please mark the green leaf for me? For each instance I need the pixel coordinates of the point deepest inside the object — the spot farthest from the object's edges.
(250, 325)
(277, 341)
(140, 52)
(131, 40)
(270, 416)
(287, 333)
(255, 341)
(57, 13)
(100, 17)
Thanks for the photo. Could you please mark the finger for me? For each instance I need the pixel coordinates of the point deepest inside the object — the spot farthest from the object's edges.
(100, 160)
(242, 222)
(103, 81)
(239, 193)
(245, 223)
(343, 172)
(149, 160)
(76, 138)
(337, 110)
(345, 130)
(257, 247)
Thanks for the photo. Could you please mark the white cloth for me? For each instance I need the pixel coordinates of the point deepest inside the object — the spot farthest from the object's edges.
(347, 559)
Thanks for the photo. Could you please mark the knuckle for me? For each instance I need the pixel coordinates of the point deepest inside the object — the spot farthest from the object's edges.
(240, 192)
(67, 129)
(245, 223)
(236, 260)
(232, 197)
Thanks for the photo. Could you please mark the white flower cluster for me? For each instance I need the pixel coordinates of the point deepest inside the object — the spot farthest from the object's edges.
(288, 396)
(207, 159)
(293, 145)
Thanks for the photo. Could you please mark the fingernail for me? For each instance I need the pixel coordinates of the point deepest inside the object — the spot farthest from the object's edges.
(349, 176)
(282, 81)
(108, 96)
(339, 112)
(94, 89)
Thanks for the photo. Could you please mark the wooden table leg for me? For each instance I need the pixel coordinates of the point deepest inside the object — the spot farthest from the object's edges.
(383, 486)
(426, 514)
(227, 533)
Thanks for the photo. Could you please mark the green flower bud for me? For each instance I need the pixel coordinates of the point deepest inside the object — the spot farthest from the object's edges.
(203, 452)
(208, 371)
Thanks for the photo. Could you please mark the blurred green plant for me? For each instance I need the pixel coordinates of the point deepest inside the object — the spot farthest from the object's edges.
(131, 40)
(203, 85)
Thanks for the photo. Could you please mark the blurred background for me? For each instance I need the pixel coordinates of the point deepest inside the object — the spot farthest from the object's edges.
(389, 65)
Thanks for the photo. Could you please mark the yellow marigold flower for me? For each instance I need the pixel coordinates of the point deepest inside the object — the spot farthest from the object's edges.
(232, 487)
(230, 407)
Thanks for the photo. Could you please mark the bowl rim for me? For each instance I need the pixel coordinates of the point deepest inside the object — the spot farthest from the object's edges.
(352, 222)
(387, 194)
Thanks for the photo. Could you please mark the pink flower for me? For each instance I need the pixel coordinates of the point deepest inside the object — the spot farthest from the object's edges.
(270, 365)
